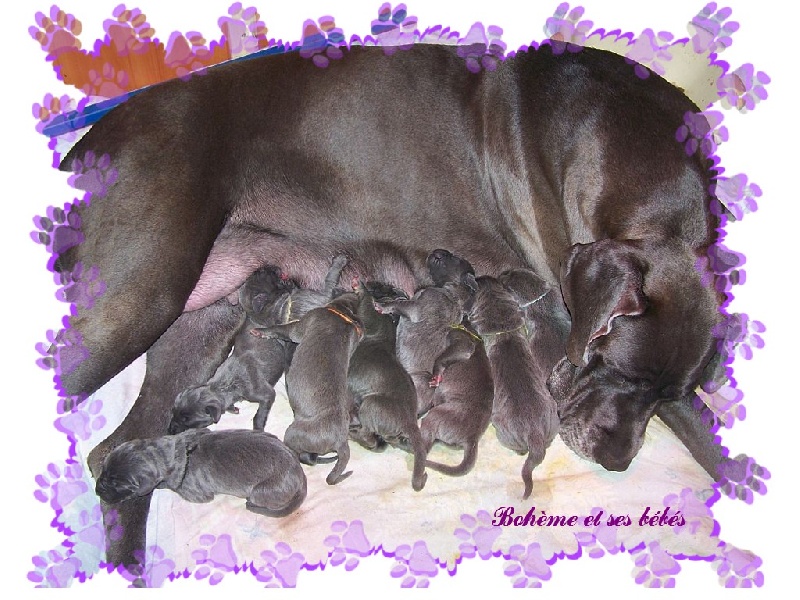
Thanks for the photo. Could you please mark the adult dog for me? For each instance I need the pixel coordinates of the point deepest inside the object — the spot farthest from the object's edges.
(276, 161)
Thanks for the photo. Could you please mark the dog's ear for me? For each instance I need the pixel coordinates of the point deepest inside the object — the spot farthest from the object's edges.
(600, 282)
(525, 285)
(468, 280)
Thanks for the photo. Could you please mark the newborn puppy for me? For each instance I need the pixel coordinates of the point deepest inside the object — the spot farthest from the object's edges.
(294, 305)
(383, 392)
(524, 414)
(450, 370)
(316, 383)
(250, 372)
(197, 464)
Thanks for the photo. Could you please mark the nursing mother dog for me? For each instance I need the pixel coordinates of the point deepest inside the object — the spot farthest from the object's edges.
(563, 163)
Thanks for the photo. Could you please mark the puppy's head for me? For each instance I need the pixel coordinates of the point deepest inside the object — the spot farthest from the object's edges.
(641, 334)
(195, 407)
(137, 467)
(263, 289)
(445, 267)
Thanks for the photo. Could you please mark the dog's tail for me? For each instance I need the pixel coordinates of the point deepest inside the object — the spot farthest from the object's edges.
(337, 474)
(470, 457)
(533, 460)
(419, 476)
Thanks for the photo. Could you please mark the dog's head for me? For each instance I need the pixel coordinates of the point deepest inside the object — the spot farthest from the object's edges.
(445, 267)
(641, 334)
(262, 290)
(137, 467)
(195, 407)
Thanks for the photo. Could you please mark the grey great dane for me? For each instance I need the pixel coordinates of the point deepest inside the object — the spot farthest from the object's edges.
(563, 163)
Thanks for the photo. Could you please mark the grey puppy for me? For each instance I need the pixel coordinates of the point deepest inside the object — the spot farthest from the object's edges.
(316, 383)
(430, 339)
(383, 392)
(253, 367)
(199, 463)
(524, 414)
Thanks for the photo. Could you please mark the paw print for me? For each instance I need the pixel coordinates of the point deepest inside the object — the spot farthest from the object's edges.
(737, 195)
(59, 230)
(321, 43)
(439, 35)
(187, 55)
(565, 29)
(711, 31)
(394, 29)
(244, 31)
(93, 175)
(602, 539)
(62, 352)
(654, 567)
(56, 33)
(527, 567)
(129, 30)
(154, 571)
(741, 477)
(737, 568)
(650, 50)
(216, 557)
(702, 131)
(61, 485)
(106, 83)
(482, 48)
(478, 536)
(81, 286)
(740, 332)
(281, 567)
(724, 403)
(88, 530)
(693, 509)
(743, 88)
(82, 421)
(348, 542)
(415, 565)
(50, 108)
(55, 569)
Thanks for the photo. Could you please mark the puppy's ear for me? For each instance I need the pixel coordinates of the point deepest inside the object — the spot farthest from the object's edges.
(525, 285)
(600, 282)
(468, 280)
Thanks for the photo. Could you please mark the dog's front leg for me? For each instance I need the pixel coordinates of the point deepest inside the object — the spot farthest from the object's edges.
(187, 354)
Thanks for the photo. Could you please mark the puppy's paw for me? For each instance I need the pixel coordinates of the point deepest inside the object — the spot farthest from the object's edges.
(435, 381)
(741, 476)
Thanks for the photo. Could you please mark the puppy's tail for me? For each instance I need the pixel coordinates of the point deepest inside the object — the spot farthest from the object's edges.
(337, 474)
(419, 476)
(534, 460)
(470, 457)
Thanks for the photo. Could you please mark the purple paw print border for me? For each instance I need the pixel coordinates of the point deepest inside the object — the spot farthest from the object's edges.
(740, 89)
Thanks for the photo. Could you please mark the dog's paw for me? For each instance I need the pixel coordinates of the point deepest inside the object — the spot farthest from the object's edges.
(347, 544)
(57, 32)
(654, 566)
(281, 567)
(415, 565)
(58, 230)
(711, 30)
(526, 567)
(741, 476)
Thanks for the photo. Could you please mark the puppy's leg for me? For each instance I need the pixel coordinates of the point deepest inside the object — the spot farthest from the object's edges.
(187, 354)
(264, 406)
(460, 346)
(288, 332)
(334, 274)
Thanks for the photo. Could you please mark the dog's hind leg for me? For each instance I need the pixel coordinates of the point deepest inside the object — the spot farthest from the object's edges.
(187, 354)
